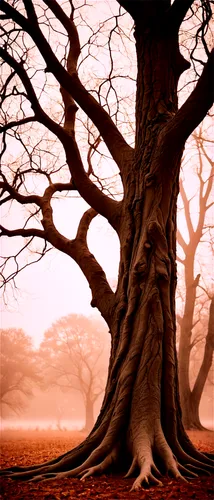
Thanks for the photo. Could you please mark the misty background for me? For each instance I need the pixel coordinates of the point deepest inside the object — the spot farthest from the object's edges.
(60, 384)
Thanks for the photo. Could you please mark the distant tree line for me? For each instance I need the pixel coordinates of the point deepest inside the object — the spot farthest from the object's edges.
(72, 357)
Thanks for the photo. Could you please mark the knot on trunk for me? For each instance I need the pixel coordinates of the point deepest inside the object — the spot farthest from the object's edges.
(150, 179)
(155, 231)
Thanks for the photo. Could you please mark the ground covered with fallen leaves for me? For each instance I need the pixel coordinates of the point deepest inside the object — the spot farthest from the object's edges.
(30, 447)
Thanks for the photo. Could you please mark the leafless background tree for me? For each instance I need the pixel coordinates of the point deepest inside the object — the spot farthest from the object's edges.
(195, 235)
(75, 354)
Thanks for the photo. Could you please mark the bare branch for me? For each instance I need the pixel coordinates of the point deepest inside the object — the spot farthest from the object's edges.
(181, 242)
(40, 115)
(186, 210)
(23, 199)
(17, 123)
(22, 232)
(18, 269)
(102, 295)
(99, 201)
(70, 27)
(84, 223)
(207, 208)
(195, 107)
(180, 260)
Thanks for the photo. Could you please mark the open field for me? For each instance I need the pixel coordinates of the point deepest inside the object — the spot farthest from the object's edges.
(29, 447)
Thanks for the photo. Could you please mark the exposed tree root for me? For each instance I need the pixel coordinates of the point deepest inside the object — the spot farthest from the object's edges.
(150, 456)
(202, 460)
(188, 450)
(209, 455)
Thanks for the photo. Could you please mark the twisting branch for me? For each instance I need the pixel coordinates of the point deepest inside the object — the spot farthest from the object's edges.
(102, 295)
(84, 223)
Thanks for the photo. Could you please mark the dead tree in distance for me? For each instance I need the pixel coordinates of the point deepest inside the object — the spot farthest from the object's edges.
(195, 234)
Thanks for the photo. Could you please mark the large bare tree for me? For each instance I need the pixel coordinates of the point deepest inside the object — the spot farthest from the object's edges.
(140, 424)
(198, 230)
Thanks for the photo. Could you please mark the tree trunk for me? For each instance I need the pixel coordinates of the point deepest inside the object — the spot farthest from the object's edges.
(190, 399)
(89, 414)
(184, 351)
(205, 367)
(190, 414)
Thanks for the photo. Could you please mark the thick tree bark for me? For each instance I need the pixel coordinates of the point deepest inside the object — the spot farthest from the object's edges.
(139, 428)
